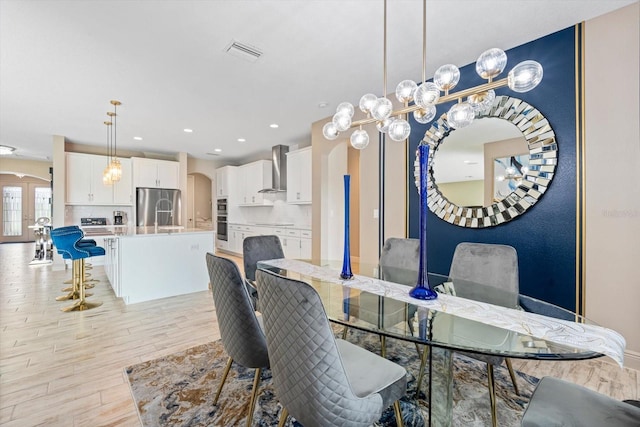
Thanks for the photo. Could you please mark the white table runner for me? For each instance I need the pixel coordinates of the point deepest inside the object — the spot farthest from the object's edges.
(578, 335)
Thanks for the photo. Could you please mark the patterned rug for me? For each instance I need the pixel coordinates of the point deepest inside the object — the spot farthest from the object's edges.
(177, 390)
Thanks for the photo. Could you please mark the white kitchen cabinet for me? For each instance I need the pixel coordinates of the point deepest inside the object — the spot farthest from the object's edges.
(224, 181)
(252, 178)
(112, 264)
(299, 176)
(84, 185)
(123, 189)
(236, 235)
(155, 173)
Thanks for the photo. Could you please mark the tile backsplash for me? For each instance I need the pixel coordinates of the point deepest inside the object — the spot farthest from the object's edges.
(72, 214)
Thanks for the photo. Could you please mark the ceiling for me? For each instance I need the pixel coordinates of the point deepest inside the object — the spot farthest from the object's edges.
(61, 62)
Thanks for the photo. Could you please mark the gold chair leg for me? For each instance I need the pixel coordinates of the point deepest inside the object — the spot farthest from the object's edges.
(398, 412)
(82, 304)
(492, 395)
(513, 376)
(344, 332)
(283, 417)
(383, 346)
(224, 378)
(254, 394)
(423, 362)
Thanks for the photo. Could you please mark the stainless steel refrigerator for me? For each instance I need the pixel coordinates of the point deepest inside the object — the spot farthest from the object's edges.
(158, 204)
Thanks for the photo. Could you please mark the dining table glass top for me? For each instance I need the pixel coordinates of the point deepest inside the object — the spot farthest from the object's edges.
(382, 313)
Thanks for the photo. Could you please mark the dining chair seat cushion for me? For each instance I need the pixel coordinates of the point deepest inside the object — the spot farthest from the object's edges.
(556, 403)
(369, 373)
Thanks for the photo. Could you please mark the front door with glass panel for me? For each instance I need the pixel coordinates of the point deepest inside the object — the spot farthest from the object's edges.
(22, 204)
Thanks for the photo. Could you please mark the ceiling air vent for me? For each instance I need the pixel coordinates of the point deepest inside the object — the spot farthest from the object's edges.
(244, 51)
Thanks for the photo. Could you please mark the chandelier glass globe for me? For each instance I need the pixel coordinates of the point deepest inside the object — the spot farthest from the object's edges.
(446, 77)
(359, 139)
(427, 95)
(483, 100)
(383, 125)
(342, 121)
(491, 63)
(382, 109)
(367, 102)
(345, 108)
(330, 131)
(524, 76)
(405, 90)
(425, 115)
(399, 130)
(461, 115)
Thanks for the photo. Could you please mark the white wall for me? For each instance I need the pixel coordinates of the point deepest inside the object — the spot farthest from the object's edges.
(613, 161)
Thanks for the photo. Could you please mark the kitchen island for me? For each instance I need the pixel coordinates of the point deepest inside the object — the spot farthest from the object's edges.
(148, 263)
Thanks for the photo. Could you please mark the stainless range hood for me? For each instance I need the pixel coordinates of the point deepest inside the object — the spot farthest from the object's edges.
(278, 170)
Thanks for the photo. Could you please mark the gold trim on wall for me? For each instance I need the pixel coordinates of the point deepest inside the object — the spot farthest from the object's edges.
(580, 171)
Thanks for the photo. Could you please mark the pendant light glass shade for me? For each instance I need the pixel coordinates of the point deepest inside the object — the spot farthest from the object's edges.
(405, 90)
(383, 125)
(425, 115)
(341, 121)
(399, 130)
(446, 77)
(367, 102)
(481, 101)
(359, 139)
(491, 63)
(524, 76)
(345, 108)
(382, 109)
(427, 95)
(330, 131)
(461, 115)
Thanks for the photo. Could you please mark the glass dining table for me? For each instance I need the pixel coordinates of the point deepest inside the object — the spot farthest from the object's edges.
(466, 317)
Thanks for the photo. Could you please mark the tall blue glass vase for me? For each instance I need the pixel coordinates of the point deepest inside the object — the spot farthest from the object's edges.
(422, 290)
(346, 258)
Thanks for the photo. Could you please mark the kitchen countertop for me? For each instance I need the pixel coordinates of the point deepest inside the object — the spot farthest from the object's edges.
(126, 231)
(274, 224)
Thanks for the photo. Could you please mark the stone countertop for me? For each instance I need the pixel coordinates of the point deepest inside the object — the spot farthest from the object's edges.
(160, 231)
(274, 225)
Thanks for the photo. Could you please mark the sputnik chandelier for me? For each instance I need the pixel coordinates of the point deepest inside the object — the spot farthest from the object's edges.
(113, 172)
(522, 78)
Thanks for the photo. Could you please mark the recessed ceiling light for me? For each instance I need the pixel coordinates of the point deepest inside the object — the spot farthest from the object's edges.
(323, 105)
(188, 130)
(241, 140)
(273, 126)
(5, 150)
(217, 150)
(470, 162)
(137, 138)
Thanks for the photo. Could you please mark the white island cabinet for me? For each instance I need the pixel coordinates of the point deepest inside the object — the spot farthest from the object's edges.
(152, 264)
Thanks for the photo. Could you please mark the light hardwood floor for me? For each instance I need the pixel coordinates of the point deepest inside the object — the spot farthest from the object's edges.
(67, 369)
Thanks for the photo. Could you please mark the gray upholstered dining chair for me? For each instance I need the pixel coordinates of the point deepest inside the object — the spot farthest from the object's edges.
(321, 380)
(255, 249)
(556, 403)
(399, 263)
(240, 329)
(491, 265)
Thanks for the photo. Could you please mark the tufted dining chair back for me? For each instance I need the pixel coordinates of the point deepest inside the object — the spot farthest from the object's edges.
(321, 380)
(241, 332)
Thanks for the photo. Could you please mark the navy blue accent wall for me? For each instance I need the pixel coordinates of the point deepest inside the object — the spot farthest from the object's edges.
(545, 236)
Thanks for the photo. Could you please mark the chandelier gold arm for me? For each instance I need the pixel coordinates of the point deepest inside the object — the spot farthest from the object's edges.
(443, 99)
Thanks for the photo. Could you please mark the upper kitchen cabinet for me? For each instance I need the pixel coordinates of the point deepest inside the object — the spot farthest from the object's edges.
(155, 173)
(299, 176)
(224, 180)
(254, 177)
(84, 185)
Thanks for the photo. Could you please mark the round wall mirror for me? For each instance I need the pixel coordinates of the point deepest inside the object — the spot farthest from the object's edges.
(493, 170)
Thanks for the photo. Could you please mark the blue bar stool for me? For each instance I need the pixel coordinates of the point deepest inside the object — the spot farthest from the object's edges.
(67, 240)
(89, 283)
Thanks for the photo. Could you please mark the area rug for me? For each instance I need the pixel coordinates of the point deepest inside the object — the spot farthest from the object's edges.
(178, 390)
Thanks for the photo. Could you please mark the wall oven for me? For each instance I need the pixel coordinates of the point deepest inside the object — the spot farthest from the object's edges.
(221, 220)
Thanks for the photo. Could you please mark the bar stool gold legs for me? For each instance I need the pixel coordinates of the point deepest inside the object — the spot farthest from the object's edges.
(73, 291)
(82, 303)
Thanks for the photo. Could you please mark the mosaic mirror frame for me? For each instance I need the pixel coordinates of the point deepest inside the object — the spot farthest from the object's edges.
(543, 159)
